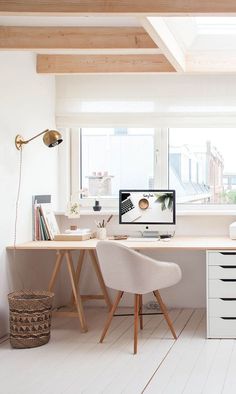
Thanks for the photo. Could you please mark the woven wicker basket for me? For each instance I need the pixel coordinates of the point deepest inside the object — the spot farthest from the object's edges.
(30, 318)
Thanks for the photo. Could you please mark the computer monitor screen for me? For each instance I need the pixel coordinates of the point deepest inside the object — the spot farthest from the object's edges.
(147, 207)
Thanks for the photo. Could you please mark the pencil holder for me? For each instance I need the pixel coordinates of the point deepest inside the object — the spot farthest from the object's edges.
(101, 233)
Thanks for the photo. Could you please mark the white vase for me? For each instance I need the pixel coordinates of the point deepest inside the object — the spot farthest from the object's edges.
(101, 233)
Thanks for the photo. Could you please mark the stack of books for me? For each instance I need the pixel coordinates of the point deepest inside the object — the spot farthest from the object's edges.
(45, 226)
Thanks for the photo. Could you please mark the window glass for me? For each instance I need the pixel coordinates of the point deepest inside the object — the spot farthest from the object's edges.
(116, 158)
(202, 165)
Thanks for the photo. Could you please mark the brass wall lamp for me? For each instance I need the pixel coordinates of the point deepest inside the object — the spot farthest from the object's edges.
(51, 138)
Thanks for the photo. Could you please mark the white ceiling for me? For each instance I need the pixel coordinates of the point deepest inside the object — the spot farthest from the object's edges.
(67, 21)
(204, 33)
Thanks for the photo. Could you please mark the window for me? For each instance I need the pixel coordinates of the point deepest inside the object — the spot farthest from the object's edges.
(199, 163)
(202, 165)
(116, 158)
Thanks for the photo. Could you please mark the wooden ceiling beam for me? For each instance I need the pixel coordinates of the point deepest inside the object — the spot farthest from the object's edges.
(122, 7)
(21, 38)
(76, 64)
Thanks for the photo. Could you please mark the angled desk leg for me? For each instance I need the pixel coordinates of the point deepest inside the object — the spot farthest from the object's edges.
(87, 297)
(78, 272)
(57, 267)
(100, 278)
(78, 302)
(77, 298)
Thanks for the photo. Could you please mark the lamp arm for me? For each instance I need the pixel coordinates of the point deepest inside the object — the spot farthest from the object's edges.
(33, 138)
(19, 141)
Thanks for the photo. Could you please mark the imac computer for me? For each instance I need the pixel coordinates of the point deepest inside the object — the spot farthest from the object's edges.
(145, 210)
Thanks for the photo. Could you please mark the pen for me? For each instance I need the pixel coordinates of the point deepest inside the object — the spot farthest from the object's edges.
(108, 220)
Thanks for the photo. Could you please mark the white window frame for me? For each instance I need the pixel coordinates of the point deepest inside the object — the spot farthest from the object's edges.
(70, 167)
(160, 170)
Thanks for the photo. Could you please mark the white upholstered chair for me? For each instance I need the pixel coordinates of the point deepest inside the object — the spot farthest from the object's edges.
(128, 271)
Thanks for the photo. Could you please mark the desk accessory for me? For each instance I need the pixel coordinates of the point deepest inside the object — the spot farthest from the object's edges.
(118, 237)
(165, 236)
(97, 207)
(101, 228)
(101, 233)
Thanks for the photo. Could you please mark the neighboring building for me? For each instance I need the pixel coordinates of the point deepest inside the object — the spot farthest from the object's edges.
(229, 181)
(196, 173)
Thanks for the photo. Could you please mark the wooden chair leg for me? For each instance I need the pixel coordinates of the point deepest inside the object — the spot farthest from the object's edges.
(141, 311)
(110, 316)
(136, 316)
(165, 312)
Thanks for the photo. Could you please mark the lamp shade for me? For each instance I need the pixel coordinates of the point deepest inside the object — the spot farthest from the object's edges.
(52, 138)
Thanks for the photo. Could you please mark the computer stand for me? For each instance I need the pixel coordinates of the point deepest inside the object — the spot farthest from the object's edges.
(156, 234)
(150, 234)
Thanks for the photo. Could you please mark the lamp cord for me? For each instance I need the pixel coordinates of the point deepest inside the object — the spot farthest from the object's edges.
(18, 197)
(16, 215)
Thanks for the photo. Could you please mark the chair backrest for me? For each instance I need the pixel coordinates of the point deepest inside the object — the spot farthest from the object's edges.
(132, 272)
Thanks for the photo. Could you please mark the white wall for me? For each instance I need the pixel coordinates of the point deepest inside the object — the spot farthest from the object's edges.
(26, 107)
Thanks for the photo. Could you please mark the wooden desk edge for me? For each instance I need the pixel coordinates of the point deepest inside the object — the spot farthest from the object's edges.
(186, 243)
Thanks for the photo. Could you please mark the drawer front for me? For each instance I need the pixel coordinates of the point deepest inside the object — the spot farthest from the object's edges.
(222, 307)
(221, 328)
(221, 288)
(222, 272)
(222, 258)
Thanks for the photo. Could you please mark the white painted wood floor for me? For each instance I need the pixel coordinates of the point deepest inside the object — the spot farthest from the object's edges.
(76, 363)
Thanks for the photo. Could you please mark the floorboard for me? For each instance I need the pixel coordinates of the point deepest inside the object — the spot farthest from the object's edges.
(73, 362)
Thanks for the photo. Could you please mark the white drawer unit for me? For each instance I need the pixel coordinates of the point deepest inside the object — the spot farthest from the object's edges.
(221, 294)
(220, 307)
(221, 272)
(220, 327)
(221, 258)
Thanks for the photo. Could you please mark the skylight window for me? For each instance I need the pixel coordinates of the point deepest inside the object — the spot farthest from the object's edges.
(216, 25)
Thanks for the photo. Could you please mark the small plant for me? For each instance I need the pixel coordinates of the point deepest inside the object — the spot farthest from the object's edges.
(166, 200)
(74, 208)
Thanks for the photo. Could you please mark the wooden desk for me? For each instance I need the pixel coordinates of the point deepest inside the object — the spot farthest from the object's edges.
(64, 249)
(196, 243)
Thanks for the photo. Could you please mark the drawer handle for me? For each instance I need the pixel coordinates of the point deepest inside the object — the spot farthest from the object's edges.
(228, 280)
(228, 266)
(228, 299)
(228, 253)
(228, 318)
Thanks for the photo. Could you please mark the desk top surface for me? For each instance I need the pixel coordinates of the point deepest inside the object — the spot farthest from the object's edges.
(196, 243)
